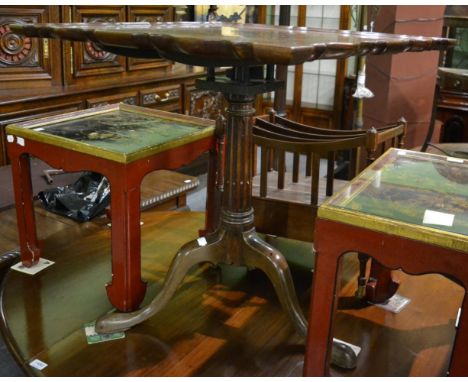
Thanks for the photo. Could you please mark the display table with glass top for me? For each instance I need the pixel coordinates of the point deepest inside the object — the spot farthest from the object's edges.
(408, 210)
(122, 142)
(241, 46)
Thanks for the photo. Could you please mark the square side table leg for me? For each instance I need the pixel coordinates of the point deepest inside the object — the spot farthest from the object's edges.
(126, 290)
(458, 363)
(21, 172)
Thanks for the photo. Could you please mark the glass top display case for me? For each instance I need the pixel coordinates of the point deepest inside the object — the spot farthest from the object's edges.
(412, 194)
(118, 132)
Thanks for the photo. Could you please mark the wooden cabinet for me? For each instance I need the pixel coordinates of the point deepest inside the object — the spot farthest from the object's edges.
(150, 14)
(85, 62)
(44, 62)
(452, 106)
(87, 59)
(24, 58)
(40, 77)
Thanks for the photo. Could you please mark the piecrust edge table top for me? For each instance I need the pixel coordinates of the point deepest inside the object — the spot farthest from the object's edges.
(224, 44)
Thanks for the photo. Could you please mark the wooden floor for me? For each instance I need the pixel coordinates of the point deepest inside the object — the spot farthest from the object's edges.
(222, 322)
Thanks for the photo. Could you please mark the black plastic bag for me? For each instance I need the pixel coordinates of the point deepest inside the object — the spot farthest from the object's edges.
(80, 201)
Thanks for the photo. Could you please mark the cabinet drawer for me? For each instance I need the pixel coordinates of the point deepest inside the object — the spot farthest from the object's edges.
(453, 80)
(166, 98)
(458, 84)
(128, 98)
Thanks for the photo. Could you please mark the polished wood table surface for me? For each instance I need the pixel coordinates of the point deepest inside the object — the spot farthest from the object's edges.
(408, 210)
(223, 44)
(235, 241)
(224, 322)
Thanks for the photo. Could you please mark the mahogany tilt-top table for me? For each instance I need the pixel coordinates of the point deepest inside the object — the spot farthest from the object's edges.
(239, 46)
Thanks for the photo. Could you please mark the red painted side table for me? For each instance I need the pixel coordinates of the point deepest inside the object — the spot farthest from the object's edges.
(408, 210)
(123, 143)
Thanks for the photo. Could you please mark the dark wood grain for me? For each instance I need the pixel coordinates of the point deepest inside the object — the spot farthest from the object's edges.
(222, 322)
(222, 44)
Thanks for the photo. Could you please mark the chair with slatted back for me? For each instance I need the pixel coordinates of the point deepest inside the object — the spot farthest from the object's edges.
(391, 135)
(286, 202)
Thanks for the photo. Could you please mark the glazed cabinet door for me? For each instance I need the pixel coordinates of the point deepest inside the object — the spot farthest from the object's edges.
(28, 59)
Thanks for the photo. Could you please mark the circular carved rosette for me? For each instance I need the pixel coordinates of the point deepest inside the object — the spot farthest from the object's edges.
(14, 49)
(96, 53)
(92, 52)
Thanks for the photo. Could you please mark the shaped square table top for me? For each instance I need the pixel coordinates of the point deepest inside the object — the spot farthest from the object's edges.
(223, 44)
(412, 194)
(121, 133)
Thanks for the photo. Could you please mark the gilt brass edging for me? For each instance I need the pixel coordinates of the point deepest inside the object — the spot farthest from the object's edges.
(391, 227)
(25, 131)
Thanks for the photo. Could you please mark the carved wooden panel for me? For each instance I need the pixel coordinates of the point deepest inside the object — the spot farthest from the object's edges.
(204, 103)
(25, 58)
(87, 59)
(152, 14)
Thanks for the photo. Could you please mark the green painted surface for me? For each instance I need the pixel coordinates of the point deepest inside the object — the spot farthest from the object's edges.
(122, 132)
(405, 187)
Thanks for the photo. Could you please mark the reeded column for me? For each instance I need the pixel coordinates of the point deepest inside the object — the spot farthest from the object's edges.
(236, 211)
(238, 166)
